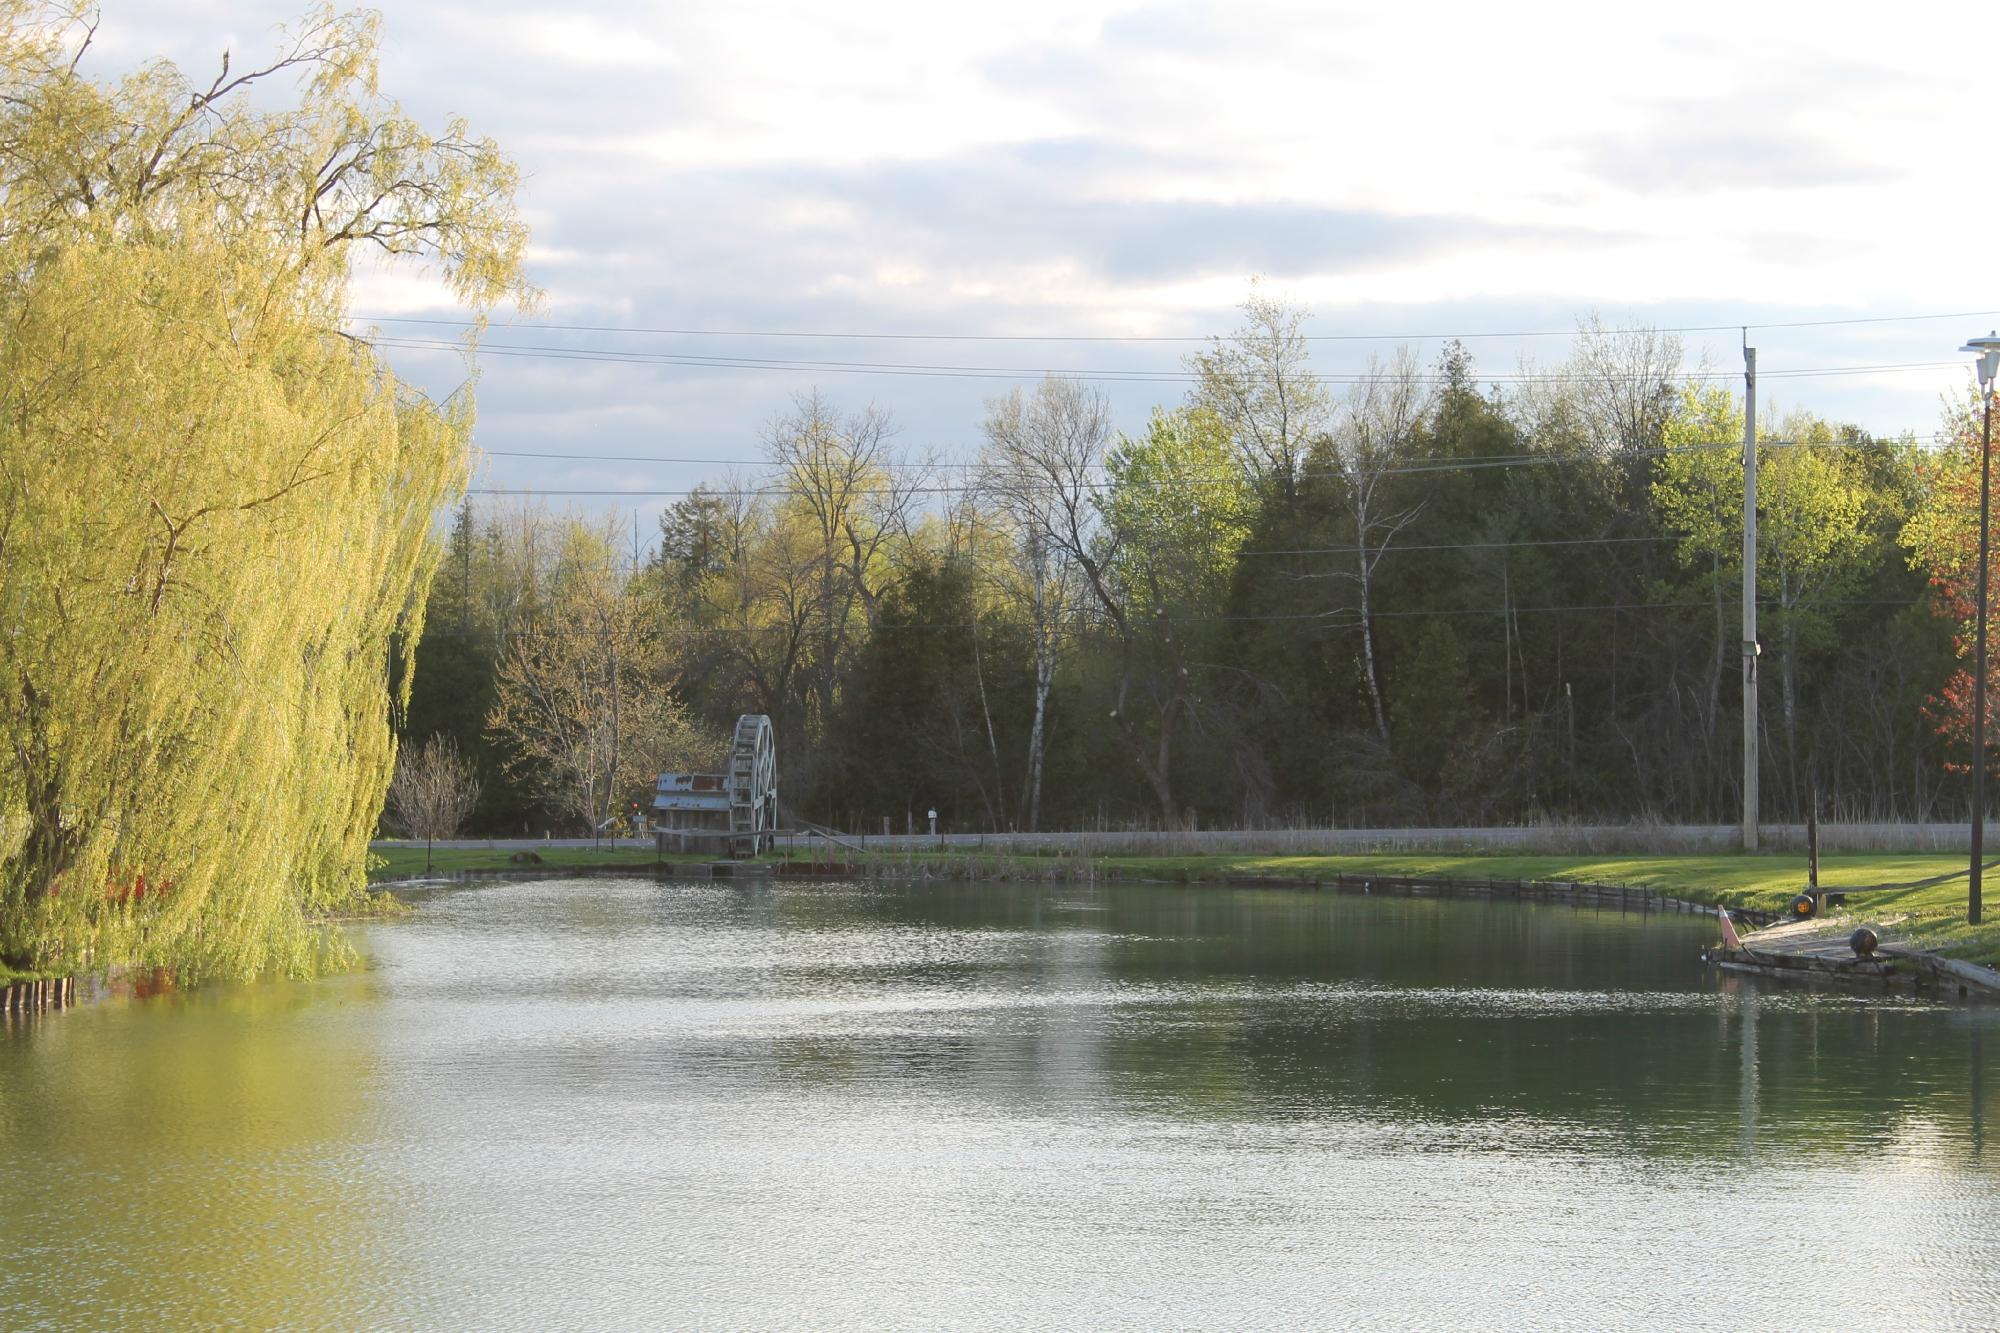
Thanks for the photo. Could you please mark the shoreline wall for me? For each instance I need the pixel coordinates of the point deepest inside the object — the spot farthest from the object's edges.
(1524, 840)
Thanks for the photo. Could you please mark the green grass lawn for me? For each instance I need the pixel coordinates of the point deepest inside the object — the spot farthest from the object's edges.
(1734, 880)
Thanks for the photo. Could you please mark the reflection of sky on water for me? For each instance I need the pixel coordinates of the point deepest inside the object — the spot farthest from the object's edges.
(619, 1102)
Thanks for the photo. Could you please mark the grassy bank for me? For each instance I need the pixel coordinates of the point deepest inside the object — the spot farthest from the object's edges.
(1927, 903)
(1728, 880)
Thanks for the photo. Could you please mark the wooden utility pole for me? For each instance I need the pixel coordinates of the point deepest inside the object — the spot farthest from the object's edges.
(1749, 598)
(1812, 841)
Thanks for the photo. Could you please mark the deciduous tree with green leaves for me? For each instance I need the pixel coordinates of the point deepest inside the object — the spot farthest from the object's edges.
(215, 505)
(1178, 512)
(1943, 540)
(1813, 546)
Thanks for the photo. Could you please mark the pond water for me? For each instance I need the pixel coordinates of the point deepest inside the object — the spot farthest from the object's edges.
(611, 1102)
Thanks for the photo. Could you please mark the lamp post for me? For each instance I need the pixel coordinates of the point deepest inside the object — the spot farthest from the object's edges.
(1987, 349)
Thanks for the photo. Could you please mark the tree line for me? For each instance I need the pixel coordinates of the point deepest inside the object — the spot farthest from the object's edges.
(1389, 598)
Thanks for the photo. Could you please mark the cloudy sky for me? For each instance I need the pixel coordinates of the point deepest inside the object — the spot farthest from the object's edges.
(1096, 180)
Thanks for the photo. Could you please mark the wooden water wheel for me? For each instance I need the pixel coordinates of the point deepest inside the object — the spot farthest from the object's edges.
(753, 786)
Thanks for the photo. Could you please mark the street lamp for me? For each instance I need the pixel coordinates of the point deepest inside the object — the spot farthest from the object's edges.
(1987, 349)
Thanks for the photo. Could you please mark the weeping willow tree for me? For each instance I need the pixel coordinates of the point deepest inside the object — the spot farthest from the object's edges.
(214, 504)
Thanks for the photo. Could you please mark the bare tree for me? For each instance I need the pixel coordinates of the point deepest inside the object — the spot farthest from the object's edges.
(1260, 383)
(1045, 453)
(434, 789)
(582, 695)
(1613, 400)
(765, 597)
(1377, 425)
(1626, 382)
(837, 476)
(1035, 473)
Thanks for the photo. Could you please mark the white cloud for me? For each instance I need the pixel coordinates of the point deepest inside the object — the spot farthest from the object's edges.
(1087, 166)
(584, 40)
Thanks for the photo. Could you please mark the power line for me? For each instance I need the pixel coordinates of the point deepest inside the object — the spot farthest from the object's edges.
(922, 370)
(1342, 617)
(926, 465)
(1459, 546)
(887, 464)
(851, 335)
(1099, 484)
(1329, 616)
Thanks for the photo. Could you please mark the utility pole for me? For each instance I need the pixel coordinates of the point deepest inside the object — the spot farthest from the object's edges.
(465, 577)
(1750, 649)
(1988, 349)
(1973, 887)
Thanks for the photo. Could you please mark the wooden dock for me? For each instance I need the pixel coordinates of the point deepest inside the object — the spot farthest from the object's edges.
(1818, 951)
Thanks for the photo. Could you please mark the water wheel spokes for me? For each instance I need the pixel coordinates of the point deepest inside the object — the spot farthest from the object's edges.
(753, 786)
